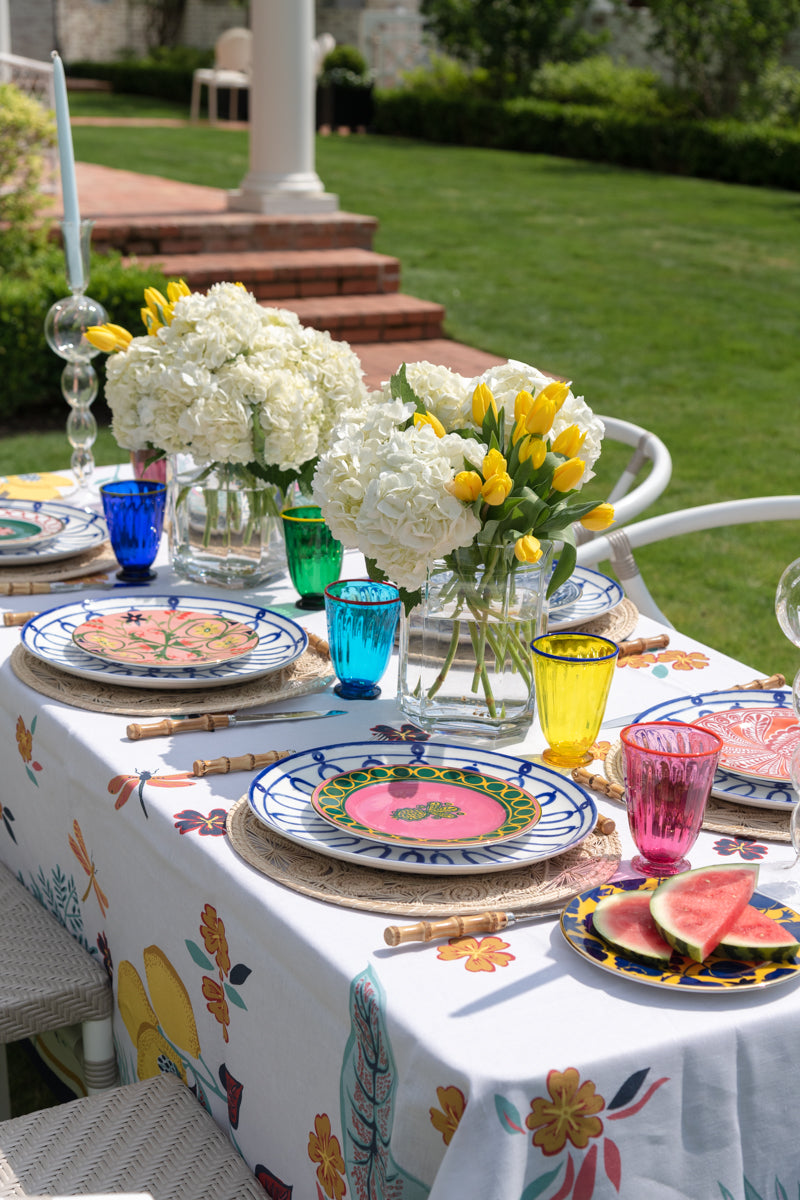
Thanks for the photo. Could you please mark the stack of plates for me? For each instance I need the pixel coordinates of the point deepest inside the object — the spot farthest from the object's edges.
(585, 595)
(422, 807)
(42, 531)
(164, 642)
(759, 731)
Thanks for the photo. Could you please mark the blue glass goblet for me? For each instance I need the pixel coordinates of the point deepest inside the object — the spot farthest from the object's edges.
(362, 618)
(134, 512)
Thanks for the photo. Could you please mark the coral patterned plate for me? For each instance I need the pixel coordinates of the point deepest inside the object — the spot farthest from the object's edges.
(426, 804)
(758, 743)
(717, 974)
(23, 527)
(165, 637)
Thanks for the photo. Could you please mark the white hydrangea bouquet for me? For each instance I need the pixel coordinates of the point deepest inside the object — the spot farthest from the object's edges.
(226, 380)
(476, 479)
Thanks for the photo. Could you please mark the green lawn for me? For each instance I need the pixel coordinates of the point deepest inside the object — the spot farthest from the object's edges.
(671, 302)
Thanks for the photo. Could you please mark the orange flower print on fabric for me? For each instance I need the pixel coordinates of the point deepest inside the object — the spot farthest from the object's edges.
(213, 934)
(683, 660)
(217, 1004)
(323, 1148)
(482, 954)
(637, 661)
(25, 747)
(446, 1118)
(567, 1114)
(600, 750)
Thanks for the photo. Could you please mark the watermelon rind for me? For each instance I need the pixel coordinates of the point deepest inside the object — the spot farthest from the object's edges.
(755, 937)
(624, 921)
(695, 910)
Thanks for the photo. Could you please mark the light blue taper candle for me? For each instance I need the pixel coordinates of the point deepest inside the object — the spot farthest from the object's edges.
(71, 225)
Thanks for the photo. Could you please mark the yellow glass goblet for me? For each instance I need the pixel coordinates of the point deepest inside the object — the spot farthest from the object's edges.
(572, 674)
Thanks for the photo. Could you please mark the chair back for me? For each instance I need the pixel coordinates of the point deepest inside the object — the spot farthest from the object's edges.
(233, 50)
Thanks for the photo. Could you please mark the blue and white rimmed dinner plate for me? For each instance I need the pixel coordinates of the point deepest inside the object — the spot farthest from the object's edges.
(81, 531)
(717, 974)
(727, 784)
(598, 595)
(280, 797)
(48, 636)
(23, 527)
(565, 596)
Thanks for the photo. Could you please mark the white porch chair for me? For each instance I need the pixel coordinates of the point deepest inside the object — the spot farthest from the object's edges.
(630, 501)
(151, 1139)
(49, 981)
(233, 57)
(618, 545)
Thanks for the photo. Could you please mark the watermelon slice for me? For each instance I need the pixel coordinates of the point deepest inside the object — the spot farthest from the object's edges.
(755, 937)
(694, 911)
(624, 921)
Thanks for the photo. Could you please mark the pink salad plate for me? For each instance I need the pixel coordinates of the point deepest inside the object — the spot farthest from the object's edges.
(165, 637)
(758, 743)
(426, 805)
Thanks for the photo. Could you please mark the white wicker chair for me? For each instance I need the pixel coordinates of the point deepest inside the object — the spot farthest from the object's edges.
(151, 1137)
(48, 981)
(233, 53)
(618, 546)
(630, 501)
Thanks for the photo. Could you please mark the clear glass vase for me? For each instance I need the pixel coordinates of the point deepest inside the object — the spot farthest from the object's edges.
(465, 658)
(224, 524)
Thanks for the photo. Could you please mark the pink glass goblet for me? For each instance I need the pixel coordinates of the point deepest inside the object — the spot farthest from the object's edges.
(669, 769)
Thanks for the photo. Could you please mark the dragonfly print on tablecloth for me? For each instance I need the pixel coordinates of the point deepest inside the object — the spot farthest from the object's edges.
(78, 847)
(126, 785)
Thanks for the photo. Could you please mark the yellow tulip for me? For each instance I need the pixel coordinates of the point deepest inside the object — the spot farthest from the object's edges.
(538, 452)
(522, 405)
(599, 518)
(493, 464)
(568, 475)
(176, 289)
(467, 486)
(159, 308)
(528, 549)
(108, 337)
(543, 413)
(482, 401)
(497, 487)
(569, 441)
(557, 391)
(427, 418)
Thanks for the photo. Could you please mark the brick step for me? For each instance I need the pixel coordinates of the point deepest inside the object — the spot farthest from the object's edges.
(284, 274)
(230, 233)
(370, 318)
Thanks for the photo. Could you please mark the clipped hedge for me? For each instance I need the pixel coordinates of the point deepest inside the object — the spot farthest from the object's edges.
(164, 81)
(31, 372)
(731, 151)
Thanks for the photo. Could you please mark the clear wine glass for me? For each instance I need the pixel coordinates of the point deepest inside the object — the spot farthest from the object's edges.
(787, 602)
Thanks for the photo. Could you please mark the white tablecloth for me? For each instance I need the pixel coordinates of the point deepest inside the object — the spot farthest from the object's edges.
(342, 1067)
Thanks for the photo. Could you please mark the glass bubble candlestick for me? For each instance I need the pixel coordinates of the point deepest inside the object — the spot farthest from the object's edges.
(64, 329)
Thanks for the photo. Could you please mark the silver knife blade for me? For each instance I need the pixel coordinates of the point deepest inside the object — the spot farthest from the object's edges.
(255, 718)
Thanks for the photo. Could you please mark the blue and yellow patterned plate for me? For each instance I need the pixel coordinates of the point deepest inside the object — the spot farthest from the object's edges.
(426, 804)
(716, 974)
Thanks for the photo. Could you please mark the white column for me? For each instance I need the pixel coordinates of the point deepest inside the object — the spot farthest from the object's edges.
(282, 178)
(5, 41)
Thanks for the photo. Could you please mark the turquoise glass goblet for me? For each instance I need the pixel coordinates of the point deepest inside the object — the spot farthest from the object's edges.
(362, 619)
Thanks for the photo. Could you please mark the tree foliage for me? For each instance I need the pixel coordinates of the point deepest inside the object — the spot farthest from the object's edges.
(719, 49)
(509, 38)
(26, 131)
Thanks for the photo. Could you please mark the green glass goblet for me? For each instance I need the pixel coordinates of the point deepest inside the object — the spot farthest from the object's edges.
(313, 554)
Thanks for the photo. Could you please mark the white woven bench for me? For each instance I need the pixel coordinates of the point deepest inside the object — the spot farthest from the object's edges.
(48, 981)
(151, 1137)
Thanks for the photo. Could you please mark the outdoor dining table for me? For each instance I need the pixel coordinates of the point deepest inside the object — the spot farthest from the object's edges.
(503, 1066)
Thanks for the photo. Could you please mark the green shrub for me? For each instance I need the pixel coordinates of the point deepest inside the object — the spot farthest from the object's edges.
(26, 131)
(599, 80)
(143, 77)
(345, 66)
(447, 77)
(761, 155)
(30, 370)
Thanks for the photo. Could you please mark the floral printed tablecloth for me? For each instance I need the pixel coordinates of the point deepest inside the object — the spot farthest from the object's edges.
(502, 1066)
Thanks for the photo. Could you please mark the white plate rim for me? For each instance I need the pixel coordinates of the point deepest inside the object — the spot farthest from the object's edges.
(250, 666)
(502, 856)
(599, 594)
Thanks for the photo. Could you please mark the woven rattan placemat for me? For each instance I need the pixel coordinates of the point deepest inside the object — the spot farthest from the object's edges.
(544, 884)
(738, 820)
(310, 673)
(618, 623)
(89, 562)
